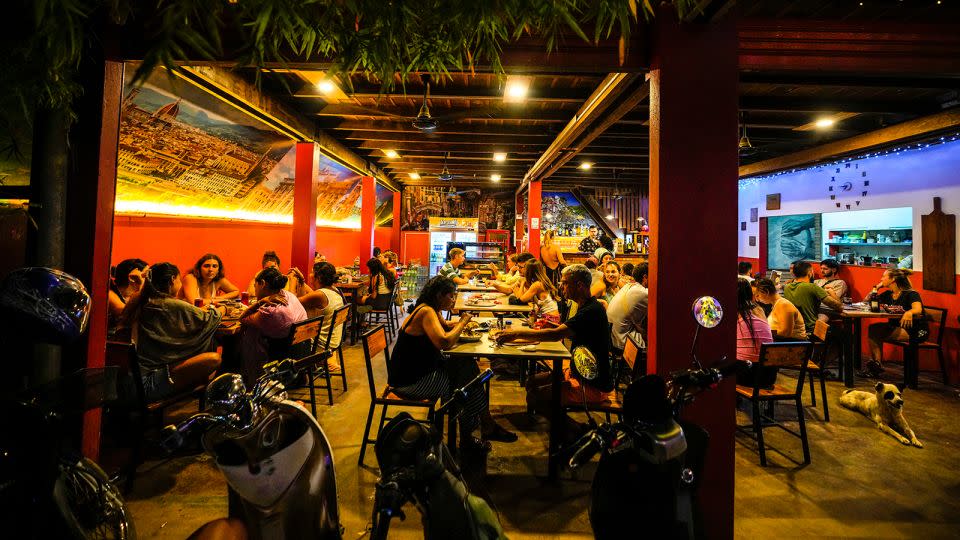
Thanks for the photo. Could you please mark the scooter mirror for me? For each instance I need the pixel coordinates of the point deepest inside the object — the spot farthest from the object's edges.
(707, 311)
(585, 362)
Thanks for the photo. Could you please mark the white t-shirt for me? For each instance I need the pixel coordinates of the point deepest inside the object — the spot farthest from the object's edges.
(333, 302)
(627, 312)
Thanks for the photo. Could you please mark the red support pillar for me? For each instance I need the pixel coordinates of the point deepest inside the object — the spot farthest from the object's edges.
(533, 218)
(368, 216)
(91, 186)
(395, 233)
(304, 238)
(693, 216)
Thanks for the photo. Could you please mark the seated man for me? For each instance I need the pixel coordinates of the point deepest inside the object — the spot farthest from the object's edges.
(808, 296)
(507, 283)
(627, 312)
(588, 328)
(451, 269)
(743, 270)
(831, 282)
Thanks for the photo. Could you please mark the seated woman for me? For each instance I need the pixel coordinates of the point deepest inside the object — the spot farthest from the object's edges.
(269, 260)
(127, 281)
(538, 288)
(611, 281)
(417, 369)
(207, 281)
(389, 260)
(174, 339)
(784, 319)
(381, 286)
(598, 286)
(752, 331)
(912, 325)
(551, 257)
(323, 300)
(271, 317)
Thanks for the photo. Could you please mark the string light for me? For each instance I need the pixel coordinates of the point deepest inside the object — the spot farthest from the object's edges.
(750, 182)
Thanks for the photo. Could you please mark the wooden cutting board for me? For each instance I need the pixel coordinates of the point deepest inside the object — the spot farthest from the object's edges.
(939, 232)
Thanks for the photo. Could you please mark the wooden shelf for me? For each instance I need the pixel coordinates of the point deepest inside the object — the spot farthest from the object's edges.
(869, 243)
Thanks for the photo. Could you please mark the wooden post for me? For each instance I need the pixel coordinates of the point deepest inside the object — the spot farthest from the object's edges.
(91, 186)
(304, 238)
(693, 211)
(533, 217)
(368, 216)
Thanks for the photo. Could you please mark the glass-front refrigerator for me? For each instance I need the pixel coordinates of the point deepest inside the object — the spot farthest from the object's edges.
(443, 230)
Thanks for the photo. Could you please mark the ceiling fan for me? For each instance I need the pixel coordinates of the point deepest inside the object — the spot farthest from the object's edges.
(745, 148)
(425, 122)
(445, 173)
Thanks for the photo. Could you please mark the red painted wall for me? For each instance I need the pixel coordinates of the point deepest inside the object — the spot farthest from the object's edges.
(239, 244)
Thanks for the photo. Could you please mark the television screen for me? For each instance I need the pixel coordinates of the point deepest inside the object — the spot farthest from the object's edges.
(792, 238)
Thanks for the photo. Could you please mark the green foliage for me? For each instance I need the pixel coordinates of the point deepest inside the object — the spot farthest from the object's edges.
(385, 39)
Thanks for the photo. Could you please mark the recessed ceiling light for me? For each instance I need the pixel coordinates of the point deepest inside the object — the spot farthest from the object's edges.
(586, 165)
(414, 176)
(326, 86)
(495, 177)
(516, 88)
(499, 156)
(825, 122)
(391, 153)
(609, 216)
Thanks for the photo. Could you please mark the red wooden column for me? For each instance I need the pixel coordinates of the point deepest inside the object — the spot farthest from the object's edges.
(395, 233)
(91, 185)
(693, 219)
(533, 218)
(304, 238)
(368, 216)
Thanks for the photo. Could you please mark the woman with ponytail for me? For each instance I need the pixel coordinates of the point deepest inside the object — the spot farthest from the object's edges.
(174, 339)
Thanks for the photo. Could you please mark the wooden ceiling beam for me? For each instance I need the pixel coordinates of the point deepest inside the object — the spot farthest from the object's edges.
(441, 94)
(407, 114)
(844, 80)
(453, 128)
(897, 134)
(504, 138)
(890, 48)
(453, 148)
(797, 104)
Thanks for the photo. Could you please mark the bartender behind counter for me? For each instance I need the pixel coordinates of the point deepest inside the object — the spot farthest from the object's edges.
(591, 243)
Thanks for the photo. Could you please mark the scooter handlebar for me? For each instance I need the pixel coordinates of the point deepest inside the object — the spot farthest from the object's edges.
(460, 394)
(588, 446)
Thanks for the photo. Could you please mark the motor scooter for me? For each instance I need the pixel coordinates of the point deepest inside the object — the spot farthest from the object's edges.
(416, 466)
(651, 461)
(273, 453)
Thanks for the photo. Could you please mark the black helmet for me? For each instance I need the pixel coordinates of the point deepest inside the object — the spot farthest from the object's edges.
(44, 304)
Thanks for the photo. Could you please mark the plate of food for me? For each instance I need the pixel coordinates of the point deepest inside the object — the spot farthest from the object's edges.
(471, 332)
(487, 296)
(481, 303)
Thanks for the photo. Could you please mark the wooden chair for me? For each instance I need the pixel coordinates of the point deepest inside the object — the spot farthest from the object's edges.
(389, 314)
(788, 355)
(333, 368)
(632, 353)
(301, 344)
(374, 343)
(817, 367)
(936, 318)
(147, 409)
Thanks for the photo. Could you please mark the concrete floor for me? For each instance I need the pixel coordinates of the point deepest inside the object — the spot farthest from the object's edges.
(861, 483)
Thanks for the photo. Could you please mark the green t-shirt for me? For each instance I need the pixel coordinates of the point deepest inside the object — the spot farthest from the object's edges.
(806, 296)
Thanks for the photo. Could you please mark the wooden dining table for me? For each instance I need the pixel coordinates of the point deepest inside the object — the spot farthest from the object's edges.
(352, 291)
(552, 351)
(852, 318)
(488, 302)
(476, 288)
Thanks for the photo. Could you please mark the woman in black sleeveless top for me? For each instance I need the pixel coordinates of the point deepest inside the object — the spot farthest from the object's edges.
(417, 368)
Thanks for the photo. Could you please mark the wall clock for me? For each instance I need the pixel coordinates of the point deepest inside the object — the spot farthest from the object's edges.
(848, 185)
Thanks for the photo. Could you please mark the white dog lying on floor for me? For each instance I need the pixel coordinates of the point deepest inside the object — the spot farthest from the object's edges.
(885, 407)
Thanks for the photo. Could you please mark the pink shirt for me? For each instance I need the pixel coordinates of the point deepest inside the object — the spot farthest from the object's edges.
(275, 321)
(748, 347)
